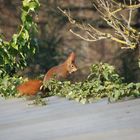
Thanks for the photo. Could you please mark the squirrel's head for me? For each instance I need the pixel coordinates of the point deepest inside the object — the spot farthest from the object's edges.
(71, 67)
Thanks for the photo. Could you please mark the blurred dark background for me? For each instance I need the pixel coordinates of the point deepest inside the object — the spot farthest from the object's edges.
(56, 42)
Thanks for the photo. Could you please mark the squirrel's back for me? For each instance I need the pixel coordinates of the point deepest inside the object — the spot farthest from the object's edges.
(56, 72)
(62, 71)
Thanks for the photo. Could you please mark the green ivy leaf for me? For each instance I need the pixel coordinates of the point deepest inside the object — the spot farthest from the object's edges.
(83, 101)
(23, 16)
(33, 6)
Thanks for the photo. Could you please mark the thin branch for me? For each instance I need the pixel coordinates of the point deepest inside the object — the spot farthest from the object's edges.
(110, 12)
(136, 6)
(123, 7)
(78, 35)
(130, 15)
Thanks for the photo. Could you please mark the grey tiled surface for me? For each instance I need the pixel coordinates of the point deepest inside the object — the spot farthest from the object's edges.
(68, 120)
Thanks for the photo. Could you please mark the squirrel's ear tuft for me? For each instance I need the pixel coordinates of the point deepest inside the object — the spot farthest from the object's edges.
(72, 56)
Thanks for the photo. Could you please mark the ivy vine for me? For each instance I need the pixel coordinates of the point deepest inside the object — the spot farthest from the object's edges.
(14, 54)
(103, 81)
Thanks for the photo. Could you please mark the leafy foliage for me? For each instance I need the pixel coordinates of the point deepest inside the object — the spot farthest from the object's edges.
(8, 89)
(8, 86)
(39, 101)
(13, 54)
(102, 82)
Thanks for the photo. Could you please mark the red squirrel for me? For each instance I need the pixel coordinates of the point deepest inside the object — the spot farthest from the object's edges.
(32, 87)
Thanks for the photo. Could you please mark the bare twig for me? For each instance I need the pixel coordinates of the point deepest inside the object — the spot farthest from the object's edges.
(130, 15)
(110, 12)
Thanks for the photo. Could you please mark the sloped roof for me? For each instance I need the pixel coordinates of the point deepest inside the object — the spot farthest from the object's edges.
(68, 120)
